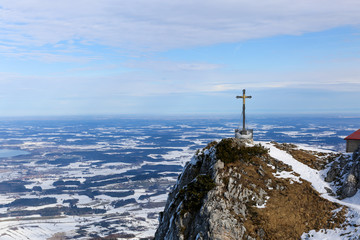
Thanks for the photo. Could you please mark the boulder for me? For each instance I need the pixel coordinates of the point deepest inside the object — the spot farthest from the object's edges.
(349, 188)
(333, 173)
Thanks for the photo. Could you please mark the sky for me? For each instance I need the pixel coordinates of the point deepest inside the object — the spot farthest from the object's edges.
(160, 57)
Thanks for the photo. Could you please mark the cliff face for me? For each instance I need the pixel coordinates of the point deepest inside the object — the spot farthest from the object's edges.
(344, 174)
(233, 191)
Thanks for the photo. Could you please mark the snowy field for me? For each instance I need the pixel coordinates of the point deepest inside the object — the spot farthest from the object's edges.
(111, 176)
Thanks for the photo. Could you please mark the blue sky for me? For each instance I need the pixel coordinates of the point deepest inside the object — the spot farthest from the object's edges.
(178, 57)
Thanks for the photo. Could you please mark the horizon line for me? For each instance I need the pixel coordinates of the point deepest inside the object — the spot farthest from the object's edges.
(171, 116)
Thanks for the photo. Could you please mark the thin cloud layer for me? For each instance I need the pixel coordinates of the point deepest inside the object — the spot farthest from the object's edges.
(139, 56)
(161, 25)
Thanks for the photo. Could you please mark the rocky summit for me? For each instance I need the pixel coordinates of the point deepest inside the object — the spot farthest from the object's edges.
(235, 190)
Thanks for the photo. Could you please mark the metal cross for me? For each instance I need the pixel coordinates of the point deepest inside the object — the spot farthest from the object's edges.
(243, 97)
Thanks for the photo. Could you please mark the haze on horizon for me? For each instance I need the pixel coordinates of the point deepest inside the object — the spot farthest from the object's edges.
(178, 57)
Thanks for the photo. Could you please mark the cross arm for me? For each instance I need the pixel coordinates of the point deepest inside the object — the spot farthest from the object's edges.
(243, 96)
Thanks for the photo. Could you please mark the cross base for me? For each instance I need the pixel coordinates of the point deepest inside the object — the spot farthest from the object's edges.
(244, 134)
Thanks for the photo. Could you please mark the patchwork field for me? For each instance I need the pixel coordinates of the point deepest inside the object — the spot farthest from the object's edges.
(84, 178)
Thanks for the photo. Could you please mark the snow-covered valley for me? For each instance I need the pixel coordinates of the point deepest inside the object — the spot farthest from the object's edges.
(85, 179)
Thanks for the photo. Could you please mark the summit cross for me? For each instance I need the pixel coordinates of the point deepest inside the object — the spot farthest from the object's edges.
(243, 97)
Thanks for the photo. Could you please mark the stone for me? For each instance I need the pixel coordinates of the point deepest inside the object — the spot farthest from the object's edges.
(343, 161)
(260, 171)
(261, 233)
(349, 189)
(333, 172)
(215, 220)
(356, 154)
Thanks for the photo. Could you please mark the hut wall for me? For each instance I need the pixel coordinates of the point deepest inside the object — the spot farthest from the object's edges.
(352, 145)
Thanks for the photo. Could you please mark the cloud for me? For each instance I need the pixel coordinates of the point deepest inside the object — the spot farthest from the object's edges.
(116, 51)
(146, 91)
(171, 65)
(158, 25)
(331, 80)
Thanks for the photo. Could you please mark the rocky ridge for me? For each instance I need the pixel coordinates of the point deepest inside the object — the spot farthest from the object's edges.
(344, 174)
(231, 190)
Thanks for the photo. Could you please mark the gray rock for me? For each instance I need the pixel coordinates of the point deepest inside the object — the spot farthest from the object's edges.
(356, 154)
(261, 233)
(222, 208)
(333, 173)
(260, 171)
(352, 182)
(349, 189)
(343, 161)
(329, 191)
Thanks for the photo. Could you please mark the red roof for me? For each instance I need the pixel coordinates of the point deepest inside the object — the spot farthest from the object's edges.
(354, 136)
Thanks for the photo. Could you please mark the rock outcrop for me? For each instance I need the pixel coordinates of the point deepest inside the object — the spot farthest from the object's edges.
(345, 174)
(231, 191)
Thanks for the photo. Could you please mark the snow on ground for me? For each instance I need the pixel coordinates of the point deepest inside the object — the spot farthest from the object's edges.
(303, 170)
(264, 204)
(317, 180)
(285, 174)
(179, 157)
(36, 228)
(323, 149)
(293, 134)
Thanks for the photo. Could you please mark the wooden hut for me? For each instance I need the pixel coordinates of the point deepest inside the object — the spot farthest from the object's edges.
(353, 141)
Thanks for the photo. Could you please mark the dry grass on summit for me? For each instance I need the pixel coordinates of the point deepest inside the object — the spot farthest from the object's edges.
(292, 211)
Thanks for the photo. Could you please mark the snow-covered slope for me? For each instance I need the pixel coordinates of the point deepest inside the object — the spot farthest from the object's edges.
(316, 178)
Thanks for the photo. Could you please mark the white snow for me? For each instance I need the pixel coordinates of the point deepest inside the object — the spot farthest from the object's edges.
(285, 174)
(305, 172)
(179, 157)
(293, 134)
(315, 148)
(35, 227)
(263, 205)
